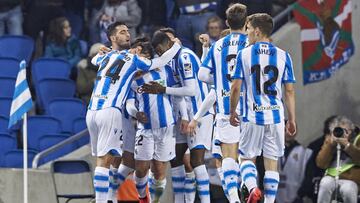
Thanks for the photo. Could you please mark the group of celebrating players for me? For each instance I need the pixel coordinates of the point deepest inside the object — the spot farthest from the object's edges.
(146, 111)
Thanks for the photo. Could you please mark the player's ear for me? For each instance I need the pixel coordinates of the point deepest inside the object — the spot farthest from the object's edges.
(112, 38)
(226, 23)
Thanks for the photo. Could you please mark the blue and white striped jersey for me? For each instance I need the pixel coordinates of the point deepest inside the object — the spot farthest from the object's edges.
(186, 66)
(263, 68)
(157, 107)
(115, 73)
(221, 61)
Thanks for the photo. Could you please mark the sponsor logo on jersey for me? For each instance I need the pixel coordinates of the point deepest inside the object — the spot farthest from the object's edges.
(258, 108)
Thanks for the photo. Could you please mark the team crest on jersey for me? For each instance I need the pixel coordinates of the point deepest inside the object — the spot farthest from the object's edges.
(139, 90)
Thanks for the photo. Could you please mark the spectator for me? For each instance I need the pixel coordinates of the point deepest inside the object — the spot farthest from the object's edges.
(127, 11)
(94, 7)
(61, 44)
(292, 169)
(153, 16)
(11, 17)
(313, 174)
(193, 15)
(214, 27)
(87, 74)
(349, 173)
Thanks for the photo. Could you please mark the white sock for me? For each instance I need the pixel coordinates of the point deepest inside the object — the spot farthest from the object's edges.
(248, 174)
(221, 174)
(190, 190)
(156, 188)
(141, 184)
(271, 182)
(114, 184)
(202, 183)
(101, 184)
(122, 173)
(230, 167)
(178, 182)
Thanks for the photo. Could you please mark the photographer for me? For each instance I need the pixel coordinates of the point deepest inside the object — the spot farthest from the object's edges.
(343, 132)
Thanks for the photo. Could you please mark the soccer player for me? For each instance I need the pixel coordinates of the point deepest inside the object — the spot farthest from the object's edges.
(263, 68)
(217, 69)
(155, 140)
(104, 116)
(186, 67)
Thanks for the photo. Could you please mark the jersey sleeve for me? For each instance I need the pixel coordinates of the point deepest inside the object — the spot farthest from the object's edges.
(142, 63)
(208, 61)
(288, 76)
(239, 68)
(186, 66)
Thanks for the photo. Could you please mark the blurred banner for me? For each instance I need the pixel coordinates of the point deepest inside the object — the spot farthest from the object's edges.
(325, 36)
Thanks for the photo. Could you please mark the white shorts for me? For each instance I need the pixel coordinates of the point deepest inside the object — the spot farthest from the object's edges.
(128, 135)
(105, 130)
(270, 139)
(202, 139)
(227, 133)
(157, 144)
(180, 138)
(216, 148)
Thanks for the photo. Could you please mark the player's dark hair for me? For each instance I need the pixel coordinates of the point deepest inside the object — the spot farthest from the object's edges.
(56, 32)
(111, 29)
(168, 30)
(236, 16)
(145, 44)
(263, 21)
(159, 37)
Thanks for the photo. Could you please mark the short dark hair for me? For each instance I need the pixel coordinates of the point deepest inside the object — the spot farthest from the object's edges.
(144, 43)
(263, 21)
(236, 16)
(168, 29)
(110, 31)
(159, 37)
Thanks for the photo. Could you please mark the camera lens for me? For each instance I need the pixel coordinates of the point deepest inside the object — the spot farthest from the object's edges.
(338, 132)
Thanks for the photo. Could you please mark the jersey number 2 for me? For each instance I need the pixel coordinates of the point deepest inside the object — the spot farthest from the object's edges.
(257, 70)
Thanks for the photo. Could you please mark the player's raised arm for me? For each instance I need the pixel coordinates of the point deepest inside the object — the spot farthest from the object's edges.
(206, 68)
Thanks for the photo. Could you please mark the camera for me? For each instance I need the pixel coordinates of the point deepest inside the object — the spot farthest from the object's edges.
(338, 132)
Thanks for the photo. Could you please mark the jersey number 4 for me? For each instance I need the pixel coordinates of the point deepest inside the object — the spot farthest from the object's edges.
(267, 69)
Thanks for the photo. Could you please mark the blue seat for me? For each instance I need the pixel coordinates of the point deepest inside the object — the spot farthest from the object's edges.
(8, 143)
(39, 126)
(78, 126)
(20, 47)
(47, 141)
(9, 67)
(66, 110)
(50, 89)
(7, 85)
(75, 172)
(43, 68)
(14, 158)
(5, 105)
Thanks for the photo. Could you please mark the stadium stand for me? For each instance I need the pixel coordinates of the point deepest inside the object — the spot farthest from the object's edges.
(14, 158)
(17, 46)
(9, 67)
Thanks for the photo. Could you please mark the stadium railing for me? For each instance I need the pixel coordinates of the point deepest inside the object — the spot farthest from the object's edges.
(283, 17)
(37, 158)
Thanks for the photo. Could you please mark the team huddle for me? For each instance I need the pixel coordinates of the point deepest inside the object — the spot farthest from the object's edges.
(154, 99)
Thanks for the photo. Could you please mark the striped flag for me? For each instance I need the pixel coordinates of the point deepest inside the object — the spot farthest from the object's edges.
(22, 102)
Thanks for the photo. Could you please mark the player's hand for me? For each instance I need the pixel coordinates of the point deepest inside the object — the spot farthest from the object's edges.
(153, 88)
(141, 117)
(138, 74)
(205, 40)
(290, 128)
(183, 126)
(103, 50)
(234, 119)
(191, 127)
(176, 40)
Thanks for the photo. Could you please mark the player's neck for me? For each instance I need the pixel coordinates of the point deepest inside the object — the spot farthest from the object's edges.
(238, 31)
(116, 47)
(264, 39)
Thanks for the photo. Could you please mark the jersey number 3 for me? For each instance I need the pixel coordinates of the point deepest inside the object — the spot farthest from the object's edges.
(257, 70)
